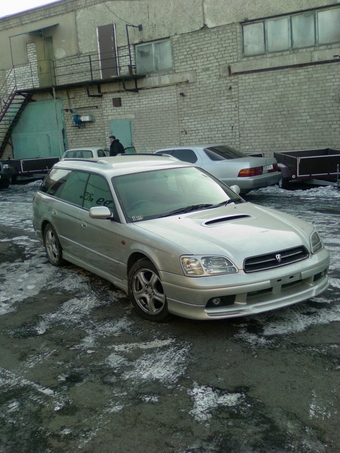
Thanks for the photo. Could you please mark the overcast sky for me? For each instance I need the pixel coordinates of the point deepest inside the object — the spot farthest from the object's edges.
(8, 7)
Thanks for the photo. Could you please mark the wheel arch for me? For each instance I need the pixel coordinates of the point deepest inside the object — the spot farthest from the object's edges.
(43, 227)
(137, 256)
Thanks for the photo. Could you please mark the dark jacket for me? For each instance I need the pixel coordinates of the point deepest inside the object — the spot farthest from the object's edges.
(116, 148)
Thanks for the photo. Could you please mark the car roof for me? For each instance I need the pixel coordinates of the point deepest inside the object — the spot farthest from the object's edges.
(122, 164)
(201, 145)
(85, 148)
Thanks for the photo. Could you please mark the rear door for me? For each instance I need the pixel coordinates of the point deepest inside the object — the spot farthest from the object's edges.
(67, 187)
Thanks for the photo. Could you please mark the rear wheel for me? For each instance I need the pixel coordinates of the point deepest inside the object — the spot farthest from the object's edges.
(146, 291)
(52, 246)
(4, 183)
(284, 183)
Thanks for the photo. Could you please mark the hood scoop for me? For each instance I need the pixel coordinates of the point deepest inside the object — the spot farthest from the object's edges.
(226, 219)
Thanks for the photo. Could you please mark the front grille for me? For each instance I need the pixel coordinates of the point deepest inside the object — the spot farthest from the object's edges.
(276, 259)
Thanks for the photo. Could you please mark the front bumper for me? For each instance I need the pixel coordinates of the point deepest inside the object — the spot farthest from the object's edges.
(253, 293)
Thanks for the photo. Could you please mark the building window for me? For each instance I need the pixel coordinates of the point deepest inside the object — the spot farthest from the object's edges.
(289, 32)
(303, 31)
(253, 39)
(277, 34)
(329, 30)
(153, 56)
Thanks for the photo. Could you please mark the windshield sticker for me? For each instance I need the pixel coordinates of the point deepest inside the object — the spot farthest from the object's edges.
(135, 218)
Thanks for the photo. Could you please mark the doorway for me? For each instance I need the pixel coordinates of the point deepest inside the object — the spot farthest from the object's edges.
(106, 35)
(123, 131)
(45, 57)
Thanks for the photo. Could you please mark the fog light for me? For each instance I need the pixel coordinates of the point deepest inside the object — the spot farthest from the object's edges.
(222, 301)
(216, 301)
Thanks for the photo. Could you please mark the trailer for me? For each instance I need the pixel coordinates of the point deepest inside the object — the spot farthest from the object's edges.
(317, 166)
(19, 169)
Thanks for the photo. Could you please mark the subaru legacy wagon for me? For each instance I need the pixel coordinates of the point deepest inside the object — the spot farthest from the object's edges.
(176, 239)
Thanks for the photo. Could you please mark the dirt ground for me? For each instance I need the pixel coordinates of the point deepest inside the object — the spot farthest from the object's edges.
(81, 372)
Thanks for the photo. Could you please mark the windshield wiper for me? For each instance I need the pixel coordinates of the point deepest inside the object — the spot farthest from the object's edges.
(186, 209)
(224, 203)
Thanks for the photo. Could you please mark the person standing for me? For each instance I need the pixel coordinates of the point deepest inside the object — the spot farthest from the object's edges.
(115, 146)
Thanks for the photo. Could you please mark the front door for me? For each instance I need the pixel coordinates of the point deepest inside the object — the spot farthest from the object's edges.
(101, 239)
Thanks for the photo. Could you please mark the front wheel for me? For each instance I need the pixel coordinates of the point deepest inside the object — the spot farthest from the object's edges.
(146, 292)
(52, 246)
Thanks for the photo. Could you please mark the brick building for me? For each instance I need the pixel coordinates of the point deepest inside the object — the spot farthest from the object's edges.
(261, 76)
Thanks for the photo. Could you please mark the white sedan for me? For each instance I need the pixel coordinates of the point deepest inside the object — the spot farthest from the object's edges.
(85, 152)
(229, 165)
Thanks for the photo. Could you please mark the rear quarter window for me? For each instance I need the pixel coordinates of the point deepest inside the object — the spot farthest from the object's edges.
(54, 181)
(73, 188)
(185, 155)
(66, 184)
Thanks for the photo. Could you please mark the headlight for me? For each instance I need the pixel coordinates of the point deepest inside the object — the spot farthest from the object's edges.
(194, 266)
(6, 166)
(316, 243)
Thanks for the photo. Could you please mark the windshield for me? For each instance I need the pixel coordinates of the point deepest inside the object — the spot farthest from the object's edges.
(222, 153)
(161, 193)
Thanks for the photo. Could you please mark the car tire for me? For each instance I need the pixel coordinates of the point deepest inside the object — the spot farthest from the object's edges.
(284, 183)
(146, 291)
(53, 248)
(4, 183)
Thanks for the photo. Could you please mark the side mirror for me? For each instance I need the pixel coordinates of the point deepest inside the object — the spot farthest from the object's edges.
(100, 212)
(235, 189)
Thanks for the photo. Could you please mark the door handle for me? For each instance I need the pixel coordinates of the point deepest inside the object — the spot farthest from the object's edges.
(54, 212)
(83, 224)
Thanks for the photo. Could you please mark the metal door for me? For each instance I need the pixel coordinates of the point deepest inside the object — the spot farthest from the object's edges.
(122, 130)
(107, 49)
(40, 131)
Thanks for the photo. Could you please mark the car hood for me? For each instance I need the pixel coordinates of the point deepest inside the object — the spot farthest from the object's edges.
(237, 231)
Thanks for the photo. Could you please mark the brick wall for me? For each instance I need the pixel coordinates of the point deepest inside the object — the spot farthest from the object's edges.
(274, 110)
(265, 111)
(269, 111)
(290, 109)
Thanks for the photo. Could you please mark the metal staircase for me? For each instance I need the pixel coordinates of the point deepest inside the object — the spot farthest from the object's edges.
(12, 103)
(11, 110)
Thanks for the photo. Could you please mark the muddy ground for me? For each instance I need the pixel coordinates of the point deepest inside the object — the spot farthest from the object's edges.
(81, 372)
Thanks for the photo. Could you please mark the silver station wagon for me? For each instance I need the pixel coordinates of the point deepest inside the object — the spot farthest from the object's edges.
(176, 239)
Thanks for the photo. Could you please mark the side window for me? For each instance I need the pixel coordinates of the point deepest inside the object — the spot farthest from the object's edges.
(73, 189)
(186, 155)
(98, 193)
(101, 153)
(87, 154)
